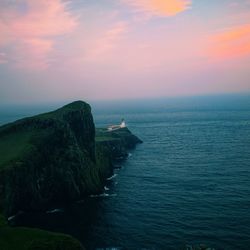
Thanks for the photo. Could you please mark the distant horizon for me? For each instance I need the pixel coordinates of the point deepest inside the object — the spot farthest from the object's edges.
(219, 102)
(124, 100)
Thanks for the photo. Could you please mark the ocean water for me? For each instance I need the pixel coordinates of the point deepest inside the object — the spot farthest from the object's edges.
(188, 183)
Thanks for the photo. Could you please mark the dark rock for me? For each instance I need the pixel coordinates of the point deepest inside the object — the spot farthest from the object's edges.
(58, 158)
(50, 160)
(117, 142)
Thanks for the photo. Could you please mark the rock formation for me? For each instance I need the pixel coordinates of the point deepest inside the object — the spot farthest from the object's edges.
(56, 158)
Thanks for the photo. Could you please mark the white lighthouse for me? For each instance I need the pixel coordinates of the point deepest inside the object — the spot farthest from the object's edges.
(115, 127)
(123, 124)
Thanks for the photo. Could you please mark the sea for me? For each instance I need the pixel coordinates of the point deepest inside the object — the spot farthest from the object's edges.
(187, 184)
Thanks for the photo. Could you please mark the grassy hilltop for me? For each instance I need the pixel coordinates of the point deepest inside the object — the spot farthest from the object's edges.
(51, 160)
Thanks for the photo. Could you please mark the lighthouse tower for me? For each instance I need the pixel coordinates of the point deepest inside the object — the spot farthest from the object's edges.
(123, 124)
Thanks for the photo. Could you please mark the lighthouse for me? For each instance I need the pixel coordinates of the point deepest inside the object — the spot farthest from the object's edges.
(123, 124)
(115, 127)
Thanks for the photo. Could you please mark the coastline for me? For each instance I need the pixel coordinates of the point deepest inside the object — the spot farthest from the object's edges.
(60, 158)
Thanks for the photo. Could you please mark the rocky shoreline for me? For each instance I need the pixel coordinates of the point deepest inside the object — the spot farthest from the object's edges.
(51, 160)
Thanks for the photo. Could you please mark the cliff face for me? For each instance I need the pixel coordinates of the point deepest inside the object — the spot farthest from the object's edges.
(56, 164)
(56, 158)
(116, 142)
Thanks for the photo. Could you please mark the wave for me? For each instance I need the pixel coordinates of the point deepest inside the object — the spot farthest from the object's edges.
(102, 195)
(56, 210)
(111, 177)
(14, 216)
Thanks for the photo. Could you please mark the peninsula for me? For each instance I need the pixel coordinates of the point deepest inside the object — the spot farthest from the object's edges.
(51, 160)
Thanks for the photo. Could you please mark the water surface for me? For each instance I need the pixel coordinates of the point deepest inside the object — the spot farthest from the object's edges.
(188, 183)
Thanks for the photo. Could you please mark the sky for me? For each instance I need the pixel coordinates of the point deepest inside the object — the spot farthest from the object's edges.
(122, 49)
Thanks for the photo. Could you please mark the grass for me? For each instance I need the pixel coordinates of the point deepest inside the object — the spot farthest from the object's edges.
(13, 146)
(105, 138)
(2, 221)
(59, 113)
(35, 239)
(16, 143)
(103, 135)
(21, 238)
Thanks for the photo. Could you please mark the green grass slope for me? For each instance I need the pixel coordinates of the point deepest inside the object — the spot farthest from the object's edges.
(50, 160)
(34, 239)
(13, 146)
(21, 238)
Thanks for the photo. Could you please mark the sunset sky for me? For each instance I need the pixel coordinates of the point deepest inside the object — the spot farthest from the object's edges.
(52, 50)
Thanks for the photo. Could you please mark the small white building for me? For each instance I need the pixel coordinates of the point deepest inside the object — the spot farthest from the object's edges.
(115, 127)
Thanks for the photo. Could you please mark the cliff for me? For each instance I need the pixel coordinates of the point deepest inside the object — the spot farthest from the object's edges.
(50, 160)
(116, 142)
(56, 158)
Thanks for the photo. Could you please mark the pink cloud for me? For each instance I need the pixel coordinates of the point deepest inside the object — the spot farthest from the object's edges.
(160, 7)
(30, 35)
(3, 58)
(102, 46)
(231, 43)
(33, 53)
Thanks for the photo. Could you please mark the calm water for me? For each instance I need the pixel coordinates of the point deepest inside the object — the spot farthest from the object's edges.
(188, 183)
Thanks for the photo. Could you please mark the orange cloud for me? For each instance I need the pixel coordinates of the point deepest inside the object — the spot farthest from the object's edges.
(234, 42)
(160, 7)
(31, 34)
